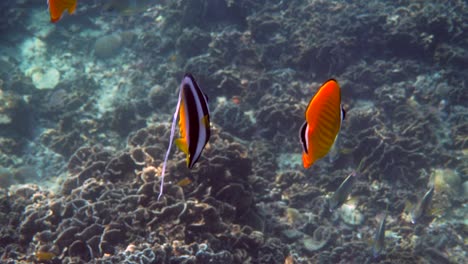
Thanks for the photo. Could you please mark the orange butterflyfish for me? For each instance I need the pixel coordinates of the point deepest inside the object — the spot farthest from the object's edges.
(57, 7)
(194, 123)
(323, 115)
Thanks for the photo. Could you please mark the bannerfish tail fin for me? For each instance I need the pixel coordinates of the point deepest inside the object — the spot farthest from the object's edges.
(171, 138)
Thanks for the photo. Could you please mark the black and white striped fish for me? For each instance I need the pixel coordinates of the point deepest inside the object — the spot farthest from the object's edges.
(194, 120)
(194, 123)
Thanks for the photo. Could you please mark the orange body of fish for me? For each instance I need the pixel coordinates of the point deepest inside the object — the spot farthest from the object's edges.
(323, 121)
(57, 7)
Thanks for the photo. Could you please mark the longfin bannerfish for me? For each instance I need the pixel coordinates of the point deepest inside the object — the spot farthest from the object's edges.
(194, 120)
(57, 7)
(323, 115)
(194, 123)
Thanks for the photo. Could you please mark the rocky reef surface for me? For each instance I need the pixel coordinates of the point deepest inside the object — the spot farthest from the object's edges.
(85, 106)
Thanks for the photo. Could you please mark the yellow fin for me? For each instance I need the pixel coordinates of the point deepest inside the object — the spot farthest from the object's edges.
(205, 121)
(184, 182)
(182, 145)
(44, 256)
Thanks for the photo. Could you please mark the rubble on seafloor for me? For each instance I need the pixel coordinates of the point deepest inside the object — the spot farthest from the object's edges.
(85, 106)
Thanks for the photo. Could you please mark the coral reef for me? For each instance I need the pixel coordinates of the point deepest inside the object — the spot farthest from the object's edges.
(108, 46)
(16, 118)
(85, 106)
(44, 78)
(378, 147)
(110, 197)
(231, 117)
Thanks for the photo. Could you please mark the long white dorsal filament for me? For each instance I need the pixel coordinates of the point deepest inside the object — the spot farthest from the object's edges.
(171, 138)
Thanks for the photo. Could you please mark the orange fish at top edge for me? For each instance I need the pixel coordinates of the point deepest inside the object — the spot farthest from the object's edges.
(323, 115)
(57, 7)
